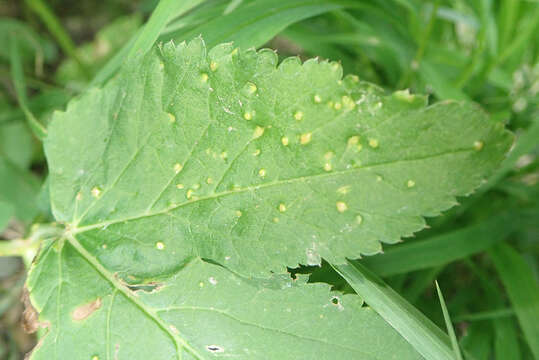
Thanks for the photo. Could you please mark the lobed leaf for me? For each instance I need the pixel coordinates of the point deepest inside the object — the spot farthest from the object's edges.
(227, 156)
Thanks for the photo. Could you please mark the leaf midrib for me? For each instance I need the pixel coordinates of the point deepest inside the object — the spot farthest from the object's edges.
(178, 341)
(76, 230)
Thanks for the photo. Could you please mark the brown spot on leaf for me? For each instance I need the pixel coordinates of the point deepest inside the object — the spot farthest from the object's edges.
(84, 311)
(30, 317)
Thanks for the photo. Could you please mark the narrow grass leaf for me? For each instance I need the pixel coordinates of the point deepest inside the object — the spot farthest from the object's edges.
(448, 324)
(417, 329)
(522, 289)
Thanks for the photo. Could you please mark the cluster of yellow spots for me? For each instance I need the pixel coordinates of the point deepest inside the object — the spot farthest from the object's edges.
(410, 183)
(96, 192)
(478, 145)
(298, 115)
(305, 138)
(171, 118)
(282, 207)
(178, 167)
(204, 77)
(159, 245)
(284, 141)
(341, 206)
(259, 131)
(373, 143)
(213, 66)
(262, 172)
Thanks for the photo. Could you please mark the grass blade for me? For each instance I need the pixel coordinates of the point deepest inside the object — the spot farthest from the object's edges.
(448, 324)
(417, 329)
(165, 10)
(57, 30)
(17, 75)
(442, 249)
(522, 289)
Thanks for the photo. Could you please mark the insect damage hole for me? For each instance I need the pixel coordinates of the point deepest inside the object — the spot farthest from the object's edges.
(215, 348)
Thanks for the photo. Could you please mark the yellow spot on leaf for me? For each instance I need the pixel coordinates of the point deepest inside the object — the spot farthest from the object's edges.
(238, 213)
(209, 180)
(248, 115)
(257, 152)
(298, 115)
(178, 167)
(341, 206)
(344, 189)
(478, 145)
(337, 106)
(96, 192)
(213, 66)
(359, 219)
(159, 245)
(189, 194)
(282, 207)
(179, 186)
(259, 131)
(317, 99)
(262, 172)
(204, 77)
(353, 140)
(284, 140)
(373, 143)
(305, 138)
(327, 166)
(410, 183)
(251, 88)
(171, 117)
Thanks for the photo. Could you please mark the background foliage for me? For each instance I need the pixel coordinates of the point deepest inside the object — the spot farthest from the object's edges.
(483, 253)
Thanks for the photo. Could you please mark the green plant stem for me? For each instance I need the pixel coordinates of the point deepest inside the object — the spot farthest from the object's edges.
(57, 30)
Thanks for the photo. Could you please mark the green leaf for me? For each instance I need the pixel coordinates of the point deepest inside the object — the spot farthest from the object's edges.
(199, 311)
(227, 156)
(522, 289)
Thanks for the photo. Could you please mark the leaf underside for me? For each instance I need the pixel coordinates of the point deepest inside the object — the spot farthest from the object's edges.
(203, 311)
(222, 155)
